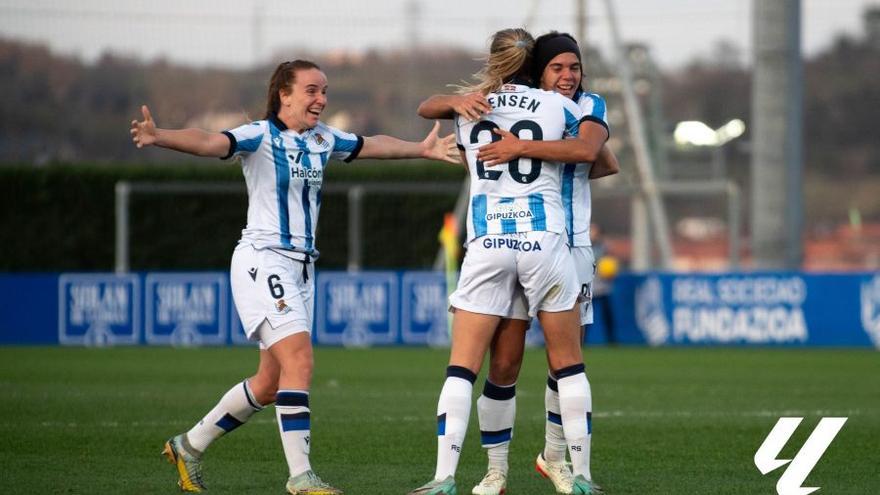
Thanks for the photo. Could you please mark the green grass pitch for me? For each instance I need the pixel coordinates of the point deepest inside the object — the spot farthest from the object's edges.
(666, 421)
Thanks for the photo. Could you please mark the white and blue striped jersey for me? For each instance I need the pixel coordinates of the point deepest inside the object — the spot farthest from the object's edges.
(284, 171)
(525, 194)
(576, 196)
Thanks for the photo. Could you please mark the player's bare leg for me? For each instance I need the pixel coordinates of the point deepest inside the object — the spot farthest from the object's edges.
(471, 336)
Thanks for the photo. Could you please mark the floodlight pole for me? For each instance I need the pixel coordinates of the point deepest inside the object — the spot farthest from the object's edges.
(644, 162)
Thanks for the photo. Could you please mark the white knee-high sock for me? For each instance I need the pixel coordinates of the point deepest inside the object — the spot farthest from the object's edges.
(453, 412)
(554, 437)
(496, 411)
(294, 424)
(576, 404)
(233, 410)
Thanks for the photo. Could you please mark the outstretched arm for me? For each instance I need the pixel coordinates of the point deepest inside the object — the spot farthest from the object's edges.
(605, 165)
(471, 106)
(433, 147)
(585, 148)
(194, 141)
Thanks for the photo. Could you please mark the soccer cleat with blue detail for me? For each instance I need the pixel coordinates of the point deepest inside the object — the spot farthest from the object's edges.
(189, 466)
(583, 486)
(494, 483)
(308, 483)
(437, 487)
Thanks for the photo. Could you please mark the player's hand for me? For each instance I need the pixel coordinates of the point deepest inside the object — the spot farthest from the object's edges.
(471, 106)
(144, 133)
(502, 151)
(436, 148)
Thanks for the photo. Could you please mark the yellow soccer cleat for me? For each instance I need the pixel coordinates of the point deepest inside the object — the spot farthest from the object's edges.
(189, 466)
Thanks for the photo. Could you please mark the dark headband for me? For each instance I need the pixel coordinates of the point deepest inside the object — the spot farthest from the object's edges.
(547, 49)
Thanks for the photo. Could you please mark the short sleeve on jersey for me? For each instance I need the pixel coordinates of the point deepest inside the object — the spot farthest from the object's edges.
(346, 146)
(594, 110)
(573, 116)
(244, 139)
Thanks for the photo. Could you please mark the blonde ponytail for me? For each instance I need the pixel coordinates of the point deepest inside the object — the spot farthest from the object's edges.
(510, 54)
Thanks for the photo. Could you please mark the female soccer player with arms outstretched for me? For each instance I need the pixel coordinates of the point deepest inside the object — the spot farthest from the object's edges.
(272, 275)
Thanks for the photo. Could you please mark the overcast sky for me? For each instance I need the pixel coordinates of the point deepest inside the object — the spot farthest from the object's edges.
(241, 33)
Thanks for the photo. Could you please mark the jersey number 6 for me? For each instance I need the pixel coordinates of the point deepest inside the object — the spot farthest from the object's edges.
(512, 165)
(275, 288)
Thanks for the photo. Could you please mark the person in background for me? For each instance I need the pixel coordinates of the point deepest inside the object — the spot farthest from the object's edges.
(606, 269)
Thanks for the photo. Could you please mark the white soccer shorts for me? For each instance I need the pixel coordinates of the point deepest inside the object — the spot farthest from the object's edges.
(268, 286)
(495, 267)
(585, 265)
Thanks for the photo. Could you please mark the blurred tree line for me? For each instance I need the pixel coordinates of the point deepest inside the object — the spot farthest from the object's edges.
(57, 109)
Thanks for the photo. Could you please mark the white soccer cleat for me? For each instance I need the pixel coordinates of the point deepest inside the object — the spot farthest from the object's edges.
(557, 472)
(494, 483)
(308, 483)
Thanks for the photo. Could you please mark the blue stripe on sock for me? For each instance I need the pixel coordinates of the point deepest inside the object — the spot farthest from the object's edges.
(497, 392)
(295, 422)
(554, 418)
(228, 423)
(461, 372)
(250, 399)
(441, 424)
(589, 423)
(292, 399)
(551, 382)
(569, 371)
(495, 437)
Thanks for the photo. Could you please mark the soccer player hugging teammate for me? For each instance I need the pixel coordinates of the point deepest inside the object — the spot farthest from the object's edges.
(517, 265)
(283, 158)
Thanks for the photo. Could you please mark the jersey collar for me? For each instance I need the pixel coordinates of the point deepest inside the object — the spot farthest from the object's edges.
(277, 122)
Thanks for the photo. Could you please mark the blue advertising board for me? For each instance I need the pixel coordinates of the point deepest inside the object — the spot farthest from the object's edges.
(99, 309)
(771, 309)
(357, 309)
(410, 308)
(424, 314)
(186, 309)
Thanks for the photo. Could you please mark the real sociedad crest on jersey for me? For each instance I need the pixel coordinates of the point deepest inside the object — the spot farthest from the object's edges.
(871, 309)
(650, 316)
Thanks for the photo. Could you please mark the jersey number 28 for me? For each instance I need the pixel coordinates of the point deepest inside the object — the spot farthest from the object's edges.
(512, 165)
